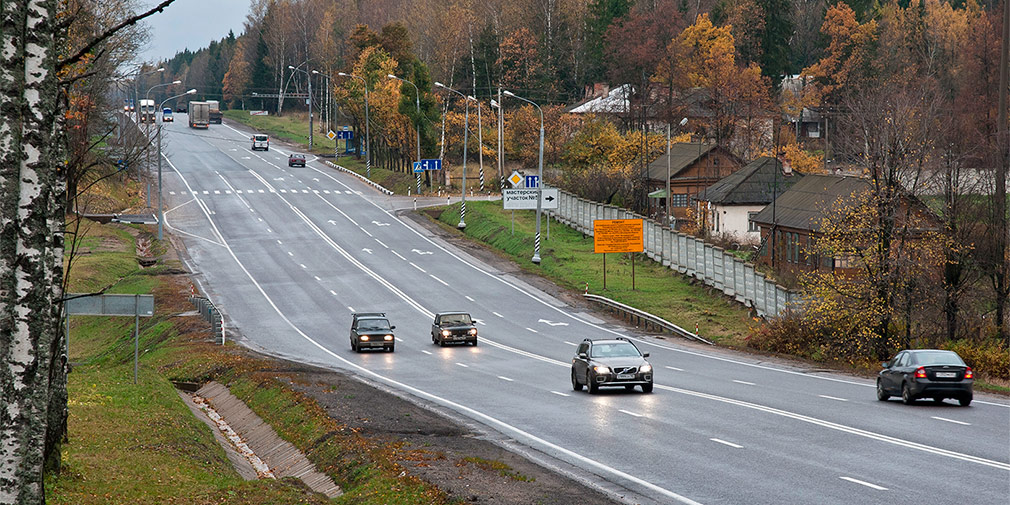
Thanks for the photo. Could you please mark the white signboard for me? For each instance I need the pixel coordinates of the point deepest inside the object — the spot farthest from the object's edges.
(519, 199)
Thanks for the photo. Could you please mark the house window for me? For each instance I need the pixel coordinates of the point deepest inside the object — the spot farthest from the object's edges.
(678, 200)
(751, 225)
(716, 216)
(847, 261)
(814, 130)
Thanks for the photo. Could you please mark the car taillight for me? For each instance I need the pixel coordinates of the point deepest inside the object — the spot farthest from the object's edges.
(968, 374)
(920, 373)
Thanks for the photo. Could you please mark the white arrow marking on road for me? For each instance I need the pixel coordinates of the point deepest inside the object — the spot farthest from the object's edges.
(367, 250)
(332, 222)
(278, 178)
(315, 179)
(552, 323)
(422, 253)
(376, 223)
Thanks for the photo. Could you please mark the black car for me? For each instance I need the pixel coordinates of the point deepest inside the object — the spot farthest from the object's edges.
(371, 330)
(453, 327)
(296, 160)
(926, 373)
(614, 362)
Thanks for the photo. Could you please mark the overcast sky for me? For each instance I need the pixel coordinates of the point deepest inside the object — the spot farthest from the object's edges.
(191, 24)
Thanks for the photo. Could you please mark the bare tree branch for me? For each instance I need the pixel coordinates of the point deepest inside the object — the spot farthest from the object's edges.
(110, 32)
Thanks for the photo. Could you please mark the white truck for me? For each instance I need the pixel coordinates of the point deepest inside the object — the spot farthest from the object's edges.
(147, 114)
(215, 111)
(199, 114)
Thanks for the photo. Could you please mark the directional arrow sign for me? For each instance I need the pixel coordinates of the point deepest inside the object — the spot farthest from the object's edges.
(376, 223)
(516, 199)
(422, 253)
(552, 323)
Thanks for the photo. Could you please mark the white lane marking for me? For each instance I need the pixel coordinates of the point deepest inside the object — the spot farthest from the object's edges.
(439, 280)
(350, 308)
(833, 398)
(417, 267)
(398, 255)
(206, 192)
(366, 232)
(468, 298)
(398, 339)
(261, 191)
(497, 314)
(674, 368)
(951, 421)
(326, 191)
(744, 382)
(284, 191)
(630, 413)
(305, 191)
(864, 483)
(559, 393)
(260, 219)
(380, 243)
(502, 425)
(171, 192)
(506, 379)
(332, 292)
(317, 277)
(570, 343)
(316, 191)
(462, 365)
(534, 331)
(269, 230)
(426, 352)
(290, 253)
(302, 265)
(227, 191)
(279, 242)
(723, 442)
(217, 192)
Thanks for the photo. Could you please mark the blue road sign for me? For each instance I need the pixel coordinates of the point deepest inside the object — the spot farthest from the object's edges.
(532, 181)
(345, 134)
(418, 168)
(433, 164)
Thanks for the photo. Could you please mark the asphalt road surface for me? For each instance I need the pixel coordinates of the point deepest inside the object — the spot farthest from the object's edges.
(289, 253)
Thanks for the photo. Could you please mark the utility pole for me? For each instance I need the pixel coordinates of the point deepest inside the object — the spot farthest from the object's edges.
(1003, 143)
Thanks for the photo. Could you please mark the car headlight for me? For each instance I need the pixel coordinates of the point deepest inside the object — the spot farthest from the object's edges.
(387, 337)
(364, 338)
(446, 333)
(473, 331)
(601, 369)
(646, 368)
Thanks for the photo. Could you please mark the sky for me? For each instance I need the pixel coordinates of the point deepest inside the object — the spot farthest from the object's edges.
(190, 24)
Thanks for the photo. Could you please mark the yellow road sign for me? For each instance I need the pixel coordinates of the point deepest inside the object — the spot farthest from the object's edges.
(618, 235)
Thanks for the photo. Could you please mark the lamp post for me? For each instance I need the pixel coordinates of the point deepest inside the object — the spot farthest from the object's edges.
(368, 147)
(328, 108)
(466, 131)
(136, 90)
(161, 215)
(308, 76)
(417, 123)
(540, 177)
(501, 123)
(147, 147)
(669, 197)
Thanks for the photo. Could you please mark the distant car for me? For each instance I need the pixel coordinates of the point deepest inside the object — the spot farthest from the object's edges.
(926, 373)
(614, 362)
(453, 327)
(371, 330)
(296, 160)
(166, 116)
(181, 109)
(261, 141)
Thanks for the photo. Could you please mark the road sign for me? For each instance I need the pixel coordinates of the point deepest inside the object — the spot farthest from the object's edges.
(109, 305)
(331, 135)
(432, 164)
(526, 198)
(515, 179)
(618, 235)
(532, 181)
(345, 134)
(417, 167)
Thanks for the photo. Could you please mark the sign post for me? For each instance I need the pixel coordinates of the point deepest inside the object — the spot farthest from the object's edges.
(112, 305)
(617, 236)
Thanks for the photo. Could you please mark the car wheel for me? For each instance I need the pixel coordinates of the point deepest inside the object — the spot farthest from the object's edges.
(593, 388)
(441, 343)
(906, 395)
(354, 346)
(881, 392)
(575, 382)
(647, 388)
(965, 400)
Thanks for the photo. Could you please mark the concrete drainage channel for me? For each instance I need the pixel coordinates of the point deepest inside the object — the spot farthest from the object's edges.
(252, 445)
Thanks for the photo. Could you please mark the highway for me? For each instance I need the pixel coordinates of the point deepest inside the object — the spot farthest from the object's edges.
(289, 253)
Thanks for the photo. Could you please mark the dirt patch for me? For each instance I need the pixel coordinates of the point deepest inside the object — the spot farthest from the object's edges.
(440, 450)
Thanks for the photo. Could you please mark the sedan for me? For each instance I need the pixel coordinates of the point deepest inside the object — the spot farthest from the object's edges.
(926, 373)
(296, 160)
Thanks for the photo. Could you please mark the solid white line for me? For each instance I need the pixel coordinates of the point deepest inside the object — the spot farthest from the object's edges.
(380, 243)
(417, 267)
(269, 230)
(332, 292)
(468, 298)
(350, 308)
(502, 377)
(497, 314)
(279, 242)
(398, 255)
(723, 442)
(951, 421)
(674, 368)
(302, 265)
(744, 382)
(833, 398)
(439, 280)
(864, 483)
(366, 232)
(630, 413)
(534, 331)
(290, 253)
(462, 365)
(559, 393)
(317, 277)
(426, 352)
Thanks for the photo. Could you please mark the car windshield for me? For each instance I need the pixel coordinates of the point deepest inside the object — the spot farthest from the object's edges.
(298, 156)
(619, 350)
(373, 324)
(456, 319)
(936, 358)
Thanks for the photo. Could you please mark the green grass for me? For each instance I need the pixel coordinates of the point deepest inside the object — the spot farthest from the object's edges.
(567, 258)
(291, 127)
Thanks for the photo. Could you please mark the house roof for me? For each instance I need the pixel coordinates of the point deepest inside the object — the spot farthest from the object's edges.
(615, 102)
(682, 155)
(803, 205)
(756, 183)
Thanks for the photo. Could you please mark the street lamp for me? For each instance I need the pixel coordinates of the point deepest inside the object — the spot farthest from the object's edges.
(501, 123)
(540, 177)
(466, 131)
(309, 77)
(417, 124)
(136, 89)
(669, 197)
(368, 147)
(147, 132)
(161, 215)
(327, 105)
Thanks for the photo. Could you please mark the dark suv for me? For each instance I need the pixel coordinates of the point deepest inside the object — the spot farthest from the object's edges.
(614, 362)
(371, 330)
(449, 327)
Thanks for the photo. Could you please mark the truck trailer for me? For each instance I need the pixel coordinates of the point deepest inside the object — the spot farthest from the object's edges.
(147, 113)
(215, 111)
(199, 114)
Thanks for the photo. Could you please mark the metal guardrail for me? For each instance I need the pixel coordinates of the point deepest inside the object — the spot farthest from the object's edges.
(630, 312)
(359, 176)
(210, 312)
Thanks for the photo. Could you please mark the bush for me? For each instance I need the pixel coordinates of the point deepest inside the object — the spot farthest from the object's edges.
(990, 359)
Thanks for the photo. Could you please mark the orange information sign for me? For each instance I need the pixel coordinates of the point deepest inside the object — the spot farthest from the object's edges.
(618, 235)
